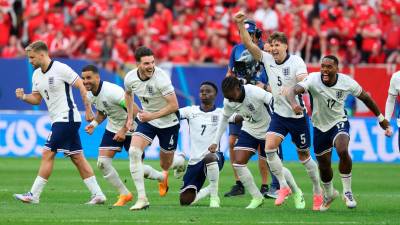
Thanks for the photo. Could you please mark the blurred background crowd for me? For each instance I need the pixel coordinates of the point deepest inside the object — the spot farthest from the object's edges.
(200, 31)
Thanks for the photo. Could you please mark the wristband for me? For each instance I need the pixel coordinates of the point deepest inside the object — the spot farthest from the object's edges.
(94, 123)
(381, 118)
(24, 97)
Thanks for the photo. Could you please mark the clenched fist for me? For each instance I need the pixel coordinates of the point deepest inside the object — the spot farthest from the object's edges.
(19, 92)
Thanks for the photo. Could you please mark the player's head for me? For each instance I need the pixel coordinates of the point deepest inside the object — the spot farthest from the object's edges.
(145, 61)
(329, 68)
(208, 92)
(253, 30)
(90, 77)
(231, 89)
(37, 53)
(279, 45)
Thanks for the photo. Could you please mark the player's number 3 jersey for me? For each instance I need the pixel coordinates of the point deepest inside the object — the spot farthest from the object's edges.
(54, 86)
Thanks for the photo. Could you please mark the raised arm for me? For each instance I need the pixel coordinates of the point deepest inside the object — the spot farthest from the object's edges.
(292, 93)
(88, 109)
(370, 103)
(254, 50)
(34, 98)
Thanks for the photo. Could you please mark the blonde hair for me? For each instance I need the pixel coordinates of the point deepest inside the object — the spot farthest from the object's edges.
(37, 46)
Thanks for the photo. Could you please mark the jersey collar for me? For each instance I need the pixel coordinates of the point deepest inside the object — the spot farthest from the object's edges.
(141, 78)
(337, 78)
(99, 88)
(49, 67)
(287, 57)
(212, 109)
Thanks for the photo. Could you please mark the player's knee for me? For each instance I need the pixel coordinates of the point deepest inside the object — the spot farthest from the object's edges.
(135, 154)
(342, 152)
(187, 197)
(103, 163)
(210, 157)
(304, 154)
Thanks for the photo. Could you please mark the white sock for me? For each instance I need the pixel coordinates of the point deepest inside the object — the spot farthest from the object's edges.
(247, 179)
(38, 186)
(152, 174)
(178, 161)
(137, 171)
(111, 175)
(312, 171)
(93, 186)
(328, 188)
(276, 167)
(204, 192)
(346, 182)
(290, 180)
(213, 177)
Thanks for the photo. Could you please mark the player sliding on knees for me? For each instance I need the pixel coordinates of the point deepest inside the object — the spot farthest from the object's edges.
(109, 101)
(251, 104)
(329, 89)
(284, 71)
(203, 123)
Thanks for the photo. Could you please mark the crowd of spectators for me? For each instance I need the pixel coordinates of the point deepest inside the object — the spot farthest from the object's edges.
(198, 31)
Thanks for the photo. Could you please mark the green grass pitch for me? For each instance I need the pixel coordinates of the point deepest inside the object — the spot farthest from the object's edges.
(376, 188)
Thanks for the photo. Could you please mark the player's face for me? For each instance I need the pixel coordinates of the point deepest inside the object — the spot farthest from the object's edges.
(146, 66)
(90, 80)
(328, 71)
(233, 95)
(35, 58)
(278, 50)
(207, 94)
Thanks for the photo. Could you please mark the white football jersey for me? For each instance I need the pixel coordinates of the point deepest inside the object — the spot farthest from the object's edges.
(328, 102)
(202, 129)
(283, 76)
(394, 88)
(253, 109)
(151, 94)
(108, 101)
(54, 86)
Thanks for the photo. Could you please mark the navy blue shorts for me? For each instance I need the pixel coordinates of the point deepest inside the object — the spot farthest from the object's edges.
(324, 141)
(64, 137)
(107, 143)
(234, 129)
(248, 142)
(168, 136)
(196, 174)
(298, 128)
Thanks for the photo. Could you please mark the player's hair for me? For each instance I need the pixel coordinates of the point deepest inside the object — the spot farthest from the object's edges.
(278, 36)
(229, 83)
(334, 58)
(211, 84)
(142, 51)
(37, 46)
(91, 68)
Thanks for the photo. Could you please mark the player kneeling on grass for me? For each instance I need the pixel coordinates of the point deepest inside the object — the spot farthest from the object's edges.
(329, 89)
(252, 104)
(109, 101)
(203, 123)
(52, 81)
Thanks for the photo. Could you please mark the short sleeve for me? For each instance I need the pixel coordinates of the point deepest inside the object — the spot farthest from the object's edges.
(165, 85)
(68, 75)
(34, 87)
(355, 88)
(118, 94)
(228, 110)
(184, 113)
(266, 58)
(306, 83)
(301, 67)
(262, 95)
(392, 87)
(127, 81)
